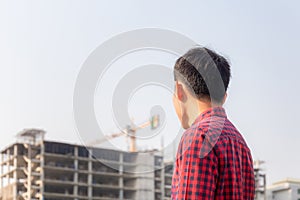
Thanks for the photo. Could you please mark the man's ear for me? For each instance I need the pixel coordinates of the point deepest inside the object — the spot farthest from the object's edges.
(180, 93)
(224, 99)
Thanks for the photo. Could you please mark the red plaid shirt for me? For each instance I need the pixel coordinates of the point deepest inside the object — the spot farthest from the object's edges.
(213, 161)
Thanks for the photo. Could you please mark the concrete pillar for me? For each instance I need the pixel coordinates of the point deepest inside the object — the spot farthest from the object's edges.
(15, 192)
(29, 172)
(8, 166)
(121, 184)
(75, 178)
(162, 178)
(90, 176)
(42, 159)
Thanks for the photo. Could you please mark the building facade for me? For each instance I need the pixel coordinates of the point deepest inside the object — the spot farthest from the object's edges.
(36, 169)
(288, 189)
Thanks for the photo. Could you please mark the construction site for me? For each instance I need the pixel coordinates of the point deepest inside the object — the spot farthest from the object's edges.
(34, 168)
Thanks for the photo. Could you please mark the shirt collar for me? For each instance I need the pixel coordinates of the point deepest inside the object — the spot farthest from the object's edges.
(213, 111)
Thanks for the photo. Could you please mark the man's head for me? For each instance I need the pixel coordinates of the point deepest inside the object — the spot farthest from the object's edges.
(201, 81)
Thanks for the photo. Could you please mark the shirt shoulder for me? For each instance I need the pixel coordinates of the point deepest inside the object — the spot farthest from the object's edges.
(214, 133)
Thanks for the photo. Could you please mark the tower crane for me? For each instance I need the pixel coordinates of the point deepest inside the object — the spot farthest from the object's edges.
(130, 132)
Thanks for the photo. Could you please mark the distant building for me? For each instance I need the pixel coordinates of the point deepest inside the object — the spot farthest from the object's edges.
(260, 181)
(288, 189)
(36, 169)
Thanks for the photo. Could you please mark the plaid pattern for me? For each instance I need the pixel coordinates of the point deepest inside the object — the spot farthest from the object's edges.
(213, 161)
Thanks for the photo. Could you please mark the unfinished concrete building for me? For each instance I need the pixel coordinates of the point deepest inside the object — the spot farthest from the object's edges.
(33, 168)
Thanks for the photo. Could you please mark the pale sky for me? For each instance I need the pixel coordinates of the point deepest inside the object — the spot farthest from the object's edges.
(43, 45)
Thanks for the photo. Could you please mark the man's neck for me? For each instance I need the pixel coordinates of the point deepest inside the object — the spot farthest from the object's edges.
(196, 108)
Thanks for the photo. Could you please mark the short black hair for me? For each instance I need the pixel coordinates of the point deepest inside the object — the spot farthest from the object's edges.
(204, 72)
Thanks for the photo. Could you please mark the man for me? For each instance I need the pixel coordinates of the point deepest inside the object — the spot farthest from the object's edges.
(213, 160)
